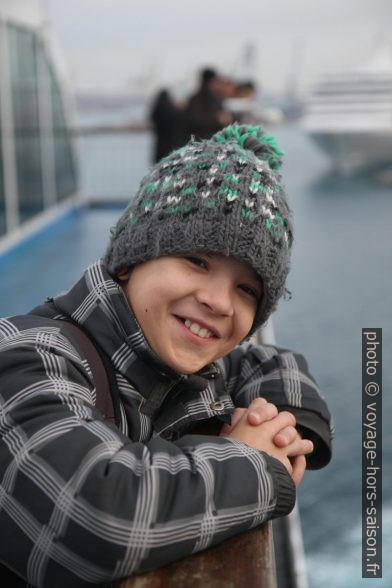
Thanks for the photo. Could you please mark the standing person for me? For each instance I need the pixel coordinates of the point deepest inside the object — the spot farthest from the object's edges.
(205, 113)
(165, 118)
(195, 265)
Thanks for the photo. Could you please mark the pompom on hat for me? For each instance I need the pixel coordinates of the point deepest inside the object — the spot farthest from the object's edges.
(219, 196)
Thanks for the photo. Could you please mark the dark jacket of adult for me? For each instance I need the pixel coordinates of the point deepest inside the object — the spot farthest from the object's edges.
(165, 119)
(82, 501)
(201, 116)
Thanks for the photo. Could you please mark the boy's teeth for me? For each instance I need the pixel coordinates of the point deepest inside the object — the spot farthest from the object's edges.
(197, 329)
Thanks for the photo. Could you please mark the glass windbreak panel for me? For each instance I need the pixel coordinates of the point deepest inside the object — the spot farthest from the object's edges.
(65, 165)
(24, 83)
(2, 195)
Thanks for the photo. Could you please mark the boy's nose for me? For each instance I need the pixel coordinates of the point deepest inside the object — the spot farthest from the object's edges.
(217, 297)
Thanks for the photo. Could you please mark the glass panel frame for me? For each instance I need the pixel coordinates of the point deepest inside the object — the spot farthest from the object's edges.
(24, 83)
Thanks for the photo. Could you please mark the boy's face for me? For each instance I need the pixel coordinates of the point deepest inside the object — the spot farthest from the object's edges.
(193, 309)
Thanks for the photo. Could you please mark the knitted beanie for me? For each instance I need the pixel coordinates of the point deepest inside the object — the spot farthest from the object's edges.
(219, 196)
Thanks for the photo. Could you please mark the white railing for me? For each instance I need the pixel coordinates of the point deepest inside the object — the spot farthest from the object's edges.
(113, 160)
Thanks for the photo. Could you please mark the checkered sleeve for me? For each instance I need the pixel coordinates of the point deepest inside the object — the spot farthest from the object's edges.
(80, 504)
(281, 377)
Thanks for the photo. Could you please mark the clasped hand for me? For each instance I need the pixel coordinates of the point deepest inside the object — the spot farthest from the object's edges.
(262, 427)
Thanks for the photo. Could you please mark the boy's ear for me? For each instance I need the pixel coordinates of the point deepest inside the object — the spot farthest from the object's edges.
(124, 276)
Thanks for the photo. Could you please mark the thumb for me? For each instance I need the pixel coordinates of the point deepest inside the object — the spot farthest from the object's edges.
(235, 418)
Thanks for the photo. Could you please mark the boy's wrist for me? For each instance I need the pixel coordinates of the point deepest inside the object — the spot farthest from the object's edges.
(285, 489)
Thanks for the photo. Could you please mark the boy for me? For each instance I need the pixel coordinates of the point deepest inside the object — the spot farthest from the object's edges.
(195, 265)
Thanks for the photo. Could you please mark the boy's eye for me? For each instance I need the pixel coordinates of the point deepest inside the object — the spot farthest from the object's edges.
(252, 292)
(197, 261)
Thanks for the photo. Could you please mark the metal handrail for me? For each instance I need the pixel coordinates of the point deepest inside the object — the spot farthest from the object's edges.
(245, 560)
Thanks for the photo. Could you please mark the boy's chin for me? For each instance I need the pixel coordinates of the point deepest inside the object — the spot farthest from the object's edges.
(190, 366)
(189, 370)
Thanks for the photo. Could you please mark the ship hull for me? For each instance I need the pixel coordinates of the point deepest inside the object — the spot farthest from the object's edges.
(355, 152)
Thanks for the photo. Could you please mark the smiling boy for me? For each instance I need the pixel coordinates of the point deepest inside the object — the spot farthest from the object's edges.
(196, 263)
(193, 309)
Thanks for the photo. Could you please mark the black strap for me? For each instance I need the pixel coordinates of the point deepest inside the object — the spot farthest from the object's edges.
(106, 389)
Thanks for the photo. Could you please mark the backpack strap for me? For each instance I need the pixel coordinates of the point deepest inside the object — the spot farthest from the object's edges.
(107, 394)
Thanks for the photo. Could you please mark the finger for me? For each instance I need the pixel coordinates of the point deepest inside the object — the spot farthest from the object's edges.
(288, 465)
(299, 465)
(285, 461)
(239, 412)
(285, 436)
(258, 414)
(281, 421)
(253, 408)
(259, 401)
(235, 418)
(225, 430)
(299, 447)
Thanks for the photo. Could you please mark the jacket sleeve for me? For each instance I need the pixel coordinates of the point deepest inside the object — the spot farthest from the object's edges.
(80, 504)
(282, 377)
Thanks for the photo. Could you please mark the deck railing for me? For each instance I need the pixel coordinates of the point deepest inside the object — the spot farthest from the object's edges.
(245, 560)
(112, 161)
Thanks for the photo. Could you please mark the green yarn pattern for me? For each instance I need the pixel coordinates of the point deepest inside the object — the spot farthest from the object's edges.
(252, 138)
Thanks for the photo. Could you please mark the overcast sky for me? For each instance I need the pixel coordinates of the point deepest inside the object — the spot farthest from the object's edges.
(112, 44)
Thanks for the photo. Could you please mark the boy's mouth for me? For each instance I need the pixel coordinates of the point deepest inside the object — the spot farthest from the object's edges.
(197, 328)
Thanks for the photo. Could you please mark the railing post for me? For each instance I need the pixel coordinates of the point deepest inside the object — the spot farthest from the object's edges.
(245, 560)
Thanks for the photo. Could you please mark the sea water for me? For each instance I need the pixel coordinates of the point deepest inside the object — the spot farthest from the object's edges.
(340, 282)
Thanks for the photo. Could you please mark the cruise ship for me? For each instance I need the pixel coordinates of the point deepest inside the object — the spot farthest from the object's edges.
(349, 115)
(38, 164)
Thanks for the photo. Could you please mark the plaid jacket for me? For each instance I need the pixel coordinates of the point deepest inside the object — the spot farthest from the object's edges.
(83, 502)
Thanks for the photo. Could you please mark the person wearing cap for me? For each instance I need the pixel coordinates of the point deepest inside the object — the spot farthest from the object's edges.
(213, 432)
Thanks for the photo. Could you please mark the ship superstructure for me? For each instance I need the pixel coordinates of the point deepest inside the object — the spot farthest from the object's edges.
(38, 172)
(349, 115)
